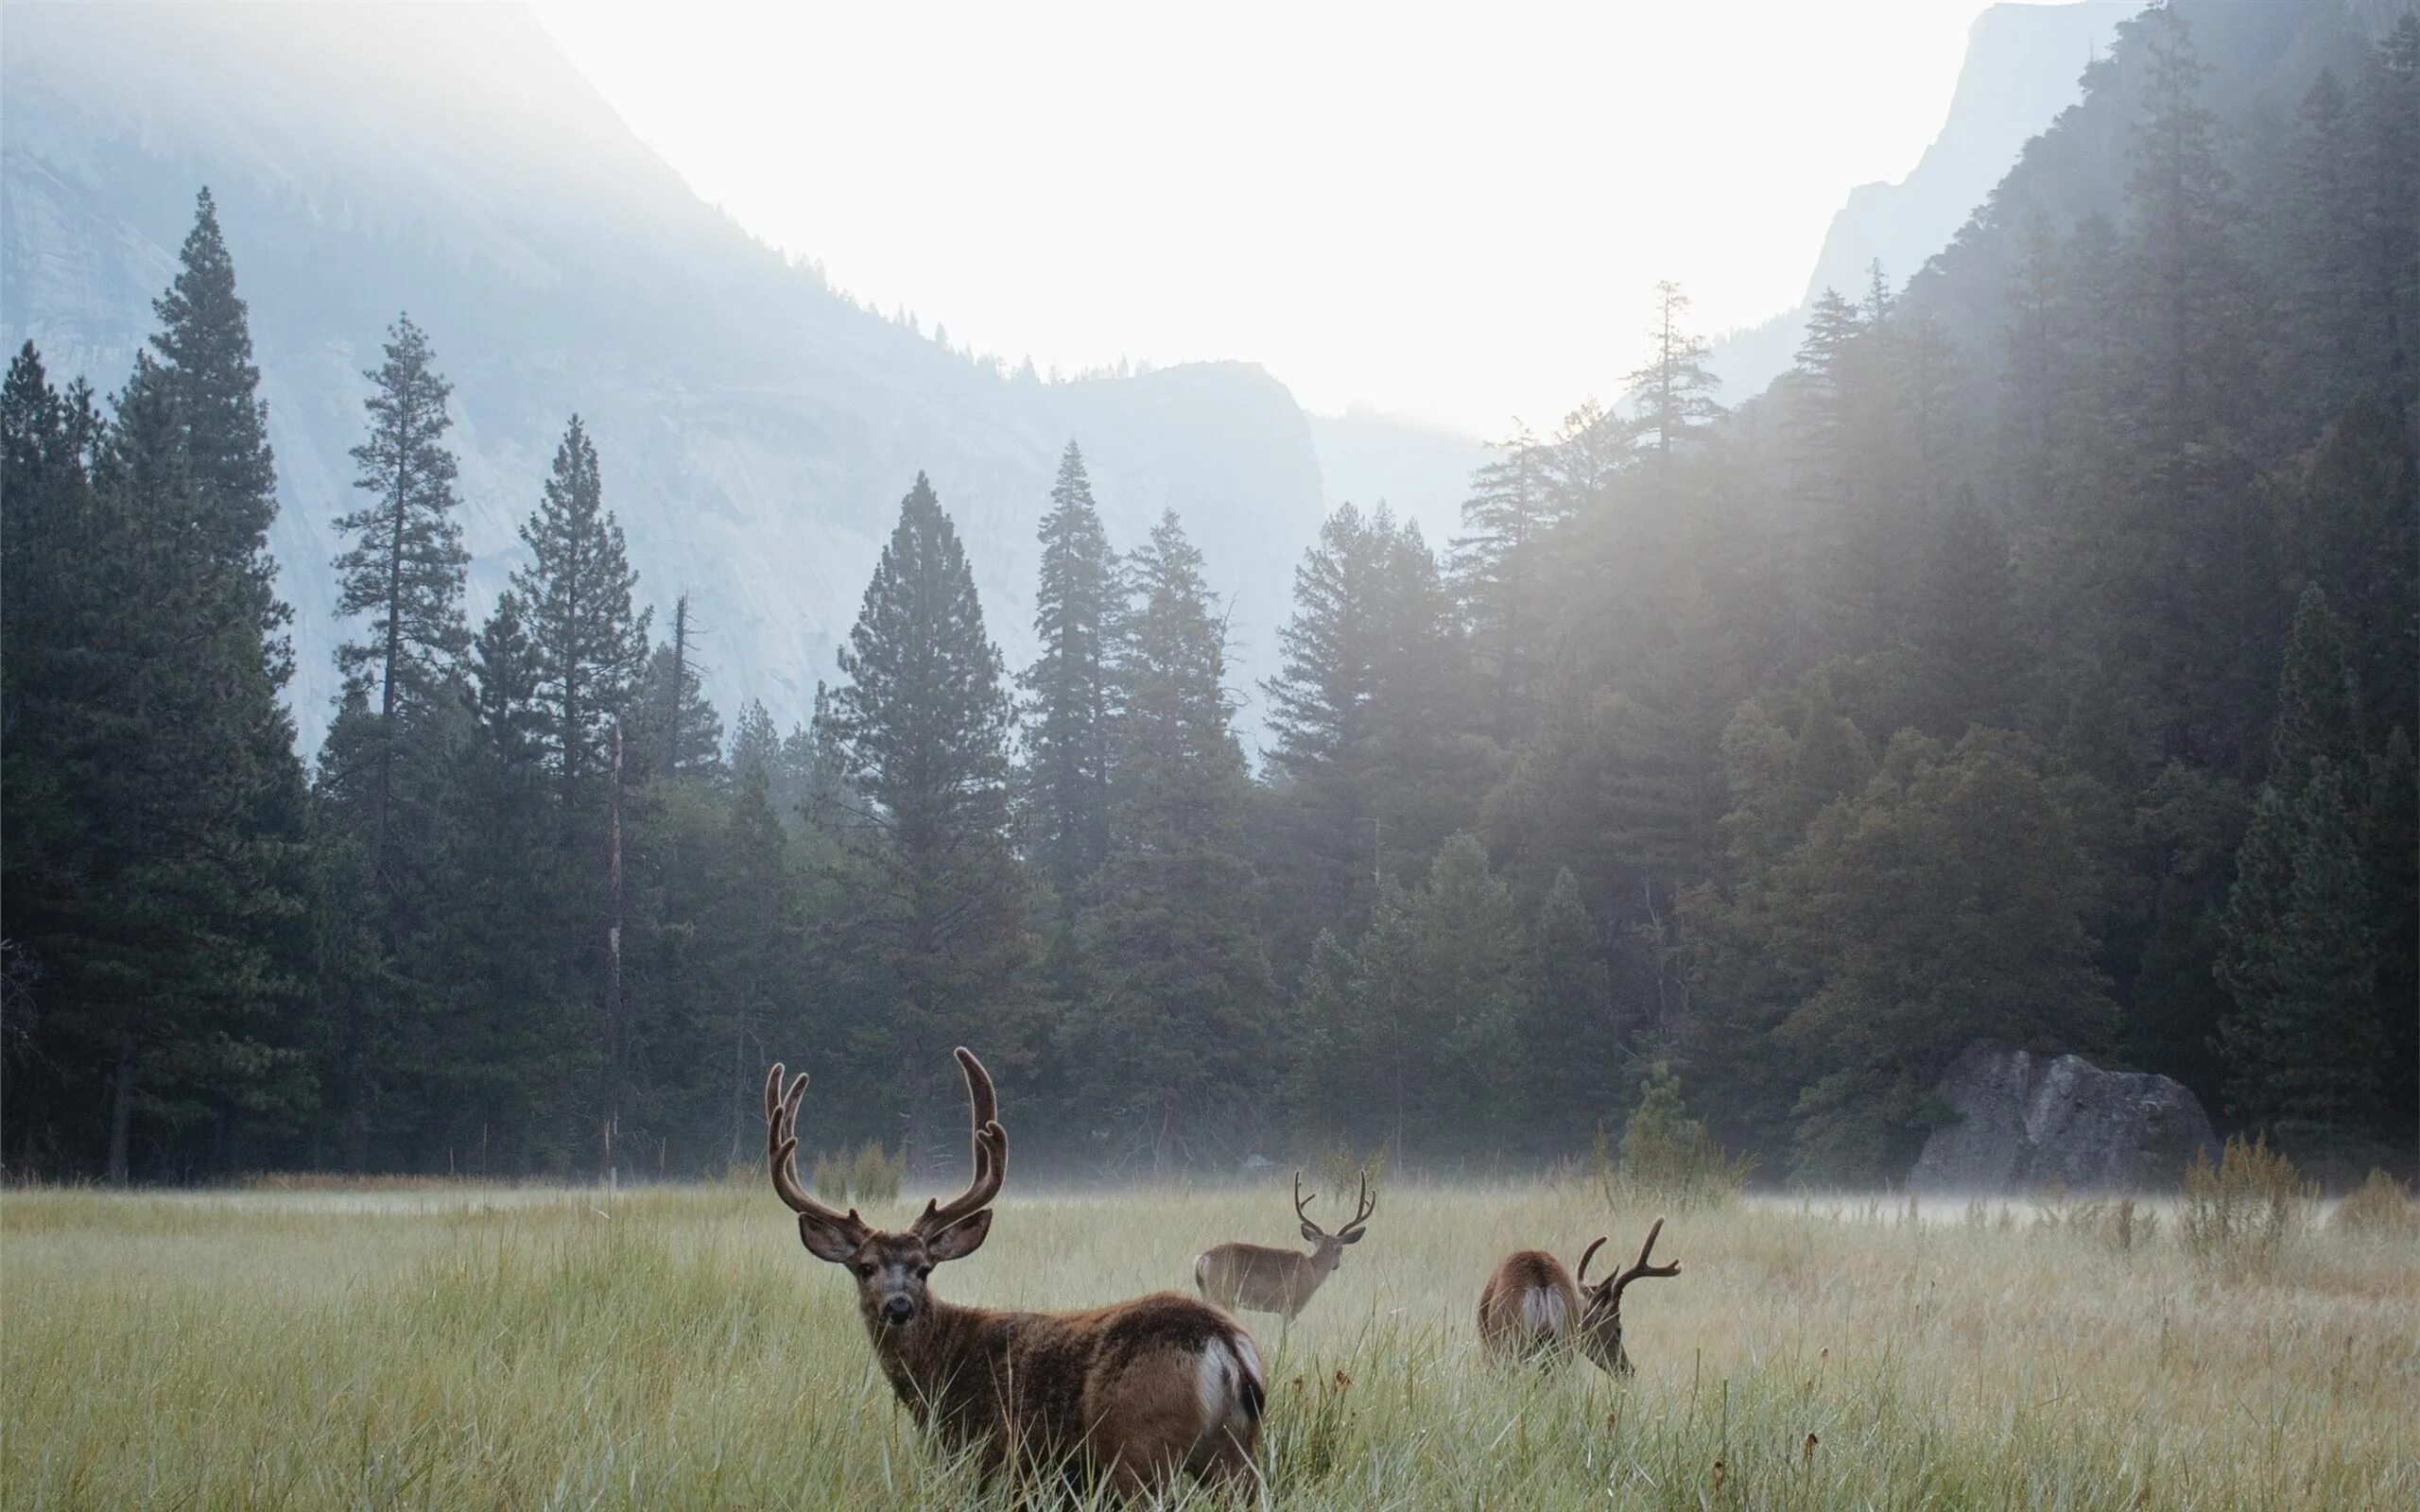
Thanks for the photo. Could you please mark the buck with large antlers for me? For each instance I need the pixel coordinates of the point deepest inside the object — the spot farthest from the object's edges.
(1268, 1280)
(1139, 1391)
(1532, 1309)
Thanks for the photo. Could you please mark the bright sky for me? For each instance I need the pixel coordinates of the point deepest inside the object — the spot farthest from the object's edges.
(1453, 213)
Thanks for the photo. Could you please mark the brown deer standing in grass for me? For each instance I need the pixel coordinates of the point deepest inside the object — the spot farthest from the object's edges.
(1532, 1309)
(1137, 1391)
(1268, 1280)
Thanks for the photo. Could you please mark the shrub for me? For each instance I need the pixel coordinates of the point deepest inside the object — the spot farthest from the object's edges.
(2244, 1214)
(875, 1175)
(1340, 1172)
(2381, 1209)
(1667, 1157)
(830, 1179)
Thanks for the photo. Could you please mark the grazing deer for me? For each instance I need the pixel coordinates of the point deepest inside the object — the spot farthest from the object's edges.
(1532, 1309)
(1268, 1280)
(1137, 1391)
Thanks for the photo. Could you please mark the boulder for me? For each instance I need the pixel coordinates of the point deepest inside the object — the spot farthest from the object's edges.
(2027, 1122)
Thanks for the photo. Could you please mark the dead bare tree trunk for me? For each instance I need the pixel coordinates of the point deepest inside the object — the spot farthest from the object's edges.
(614, 956)
(121, 1114)
(673, 690)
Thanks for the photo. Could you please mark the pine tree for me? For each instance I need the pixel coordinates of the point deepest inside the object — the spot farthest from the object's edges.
(1572, 1035)
(138, 882)
(918, 732)
(1970, 655)
(1179, 1019)
(673, 720)
(404, 569)
(1069, 736)
(2306, 1043)
(2306, 1047)
(2319, 700)
(756, 745)
(755, 940)
(1675, 391)
(205, 346)
(2386, 129)
(576, 590)
(1500, 568)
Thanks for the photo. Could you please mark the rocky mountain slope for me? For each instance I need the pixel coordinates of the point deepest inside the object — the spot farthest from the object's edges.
(2024, 64)
(757, 430)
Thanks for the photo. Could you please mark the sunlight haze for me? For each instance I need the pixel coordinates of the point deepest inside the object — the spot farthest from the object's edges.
(1413, 212)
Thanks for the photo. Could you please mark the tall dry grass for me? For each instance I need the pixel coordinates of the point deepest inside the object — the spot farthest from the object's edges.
(677, 1348)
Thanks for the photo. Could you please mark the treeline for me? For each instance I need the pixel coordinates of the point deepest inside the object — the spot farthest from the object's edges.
(2039, 660)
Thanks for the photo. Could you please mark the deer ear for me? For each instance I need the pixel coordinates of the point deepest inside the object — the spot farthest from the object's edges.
(961, 1238)
(1311, 1232)
(1352, 1236)
(826, 1240)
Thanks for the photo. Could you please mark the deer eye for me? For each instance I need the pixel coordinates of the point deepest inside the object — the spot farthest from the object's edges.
(867, 1268)
(922, 1271)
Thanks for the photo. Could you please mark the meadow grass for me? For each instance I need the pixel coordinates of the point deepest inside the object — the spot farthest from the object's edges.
(675, 1347)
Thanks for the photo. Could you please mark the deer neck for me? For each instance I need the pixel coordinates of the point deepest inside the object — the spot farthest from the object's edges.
(924, 1358)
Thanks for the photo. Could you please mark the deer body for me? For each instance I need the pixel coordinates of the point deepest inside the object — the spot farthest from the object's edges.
(1532, 1309)
(1139, 1392)
(1529, 1307)
(1263, 1278)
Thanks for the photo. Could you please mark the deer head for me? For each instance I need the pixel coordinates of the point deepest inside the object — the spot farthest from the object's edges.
(890, 1268)
(1600, 1313)
(1327, 1249)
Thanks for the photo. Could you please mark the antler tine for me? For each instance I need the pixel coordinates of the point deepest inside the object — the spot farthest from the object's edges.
(1365, 1202)
(1302, 1202)
(1643, 1268)
(1588, 1254)
(781, 1150)
(991, 1152)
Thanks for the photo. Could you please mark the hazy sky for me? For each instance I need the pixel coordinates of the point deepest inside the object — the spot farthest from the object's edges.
(1455, 212)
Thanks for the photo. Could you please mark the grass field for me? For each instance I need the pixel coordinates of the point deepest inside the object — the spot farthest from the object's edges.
(676, 1348)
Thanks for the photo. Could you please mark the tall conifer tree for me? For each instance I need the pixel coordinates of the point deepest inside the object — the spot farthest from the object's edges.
(404, 570)
(919, 734)
(1069, 734)
(576, 590)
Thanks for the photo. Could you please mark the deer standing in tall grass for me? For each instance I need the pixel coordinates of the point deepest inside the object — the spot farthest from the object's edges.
(1139, 1392)
(1531, 1308)
(1268, 1280)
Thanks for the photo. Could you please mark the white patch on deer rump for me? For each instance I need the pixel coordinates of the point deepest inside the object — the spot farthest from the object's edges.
(1542, 1310)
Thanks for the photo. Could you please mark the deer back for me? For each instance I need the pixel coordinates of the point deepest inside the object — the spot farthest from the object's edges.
(1530, 1307)
(1258, 1278)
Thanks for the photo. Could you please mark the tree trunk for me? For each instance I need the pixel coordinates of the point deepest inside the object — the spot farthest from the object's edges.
(672, 698)
(121, 1114)
(378, 801)
(739, 1103)
(614, 954)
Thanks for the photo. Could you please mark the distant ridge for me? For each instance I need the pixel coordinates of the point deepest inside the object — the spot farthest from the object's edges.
(756, 429)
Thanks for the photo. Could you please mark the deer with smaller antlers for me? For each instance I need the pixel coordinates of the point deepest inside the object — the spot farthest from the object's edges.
(1531, 1308)
(1138, 1392)
(1264, 1279)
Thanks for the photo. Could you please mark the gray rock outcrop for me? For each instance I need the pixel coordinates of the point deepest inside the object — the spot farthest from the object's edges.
(2028, 1121)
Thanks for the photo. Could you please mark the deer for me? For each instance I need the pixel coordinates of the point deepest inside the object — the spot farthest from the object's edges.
(1268, 1280)
(1137, 1392)
(1532, 1309)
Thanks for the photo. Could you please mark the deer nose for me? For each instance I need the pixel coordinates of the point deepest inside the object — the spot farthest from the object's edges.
(899, 1308)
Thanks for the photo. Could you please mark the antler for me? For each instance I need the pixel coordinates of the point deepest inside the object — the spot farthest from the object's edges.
(991, 1154)
(1364, 1205)
(781, 1148)
(1301, 1201)
(1643, 1268)
(1585, 1256)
